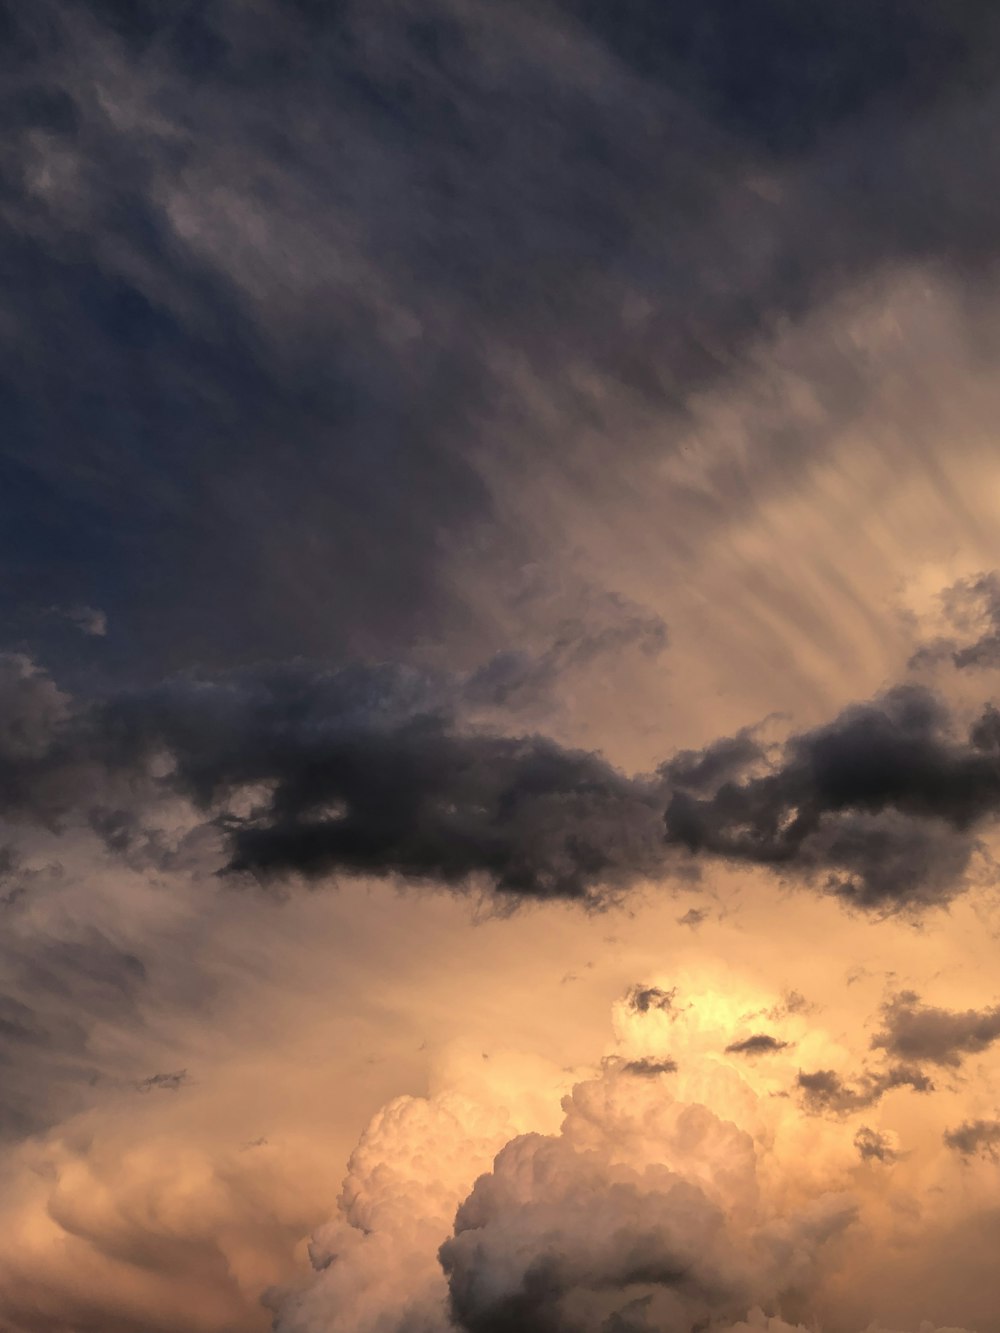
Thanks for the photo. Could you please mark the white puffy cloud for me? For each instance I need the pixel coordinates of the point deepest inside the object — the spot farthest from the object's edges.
(649, 1208)
(375, 1263)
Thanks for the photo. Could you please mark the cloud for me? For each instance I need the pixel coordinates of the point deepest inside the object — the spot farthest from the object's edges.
(165, 1082)
(642, 999)
(361, 775)
(54, 994)
(648, 1209)
(604, 630)
(792, 1002)
(827, 67)
(825, 1090)
(649, 1067)
(638, 1201)
(383, 770)
(919, 1032)
(760, 1043)
(365, 770)
(88, 620)
(122, 1231)
(875, 1146)
(319, 320)
(596, 1243)
(972, 608)
(644, 1212)
(376, 1263)
(975, 1138)
(308, 331)
(878, 807)
(758, 1322)
(693, 917)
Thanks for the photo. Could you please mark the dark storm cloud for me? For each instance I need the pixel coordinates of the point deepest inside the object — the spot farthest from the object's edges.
(261, 266)
(702, 771)
(879, 807)
(761, 1043)
(364, 770)
(825, 1090)
(975, 1138)
(382, 770)
(874, 1147)
(359, 778)
(920, 1032)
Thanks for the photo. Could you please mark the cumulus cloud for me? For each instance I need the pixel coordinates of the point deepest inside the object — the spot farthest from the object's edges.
(376, 1263)
(642, 1228)
(645, 1211)
(557, 1239)
(920, 1032)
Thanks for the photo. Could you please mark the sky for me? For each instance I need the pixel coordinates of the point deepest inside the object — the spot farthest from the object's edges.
(499, 720)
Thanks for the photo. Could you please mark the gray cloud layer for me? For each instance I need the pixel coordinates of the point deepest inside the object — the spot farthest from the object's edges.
(291, 249)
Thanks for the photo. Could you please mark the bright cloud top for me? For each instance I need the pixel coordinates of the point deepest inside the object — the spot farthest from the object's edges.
(675, 1199)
